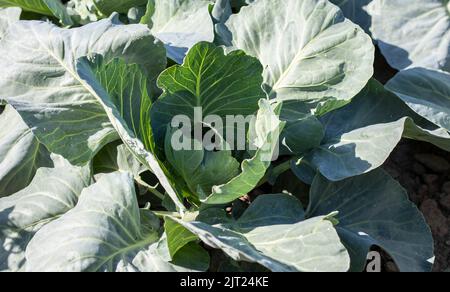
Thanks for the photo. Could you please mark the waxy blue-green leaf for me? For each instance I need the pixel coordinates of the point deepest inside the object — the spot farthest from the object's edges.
(53, 192)
(21, 154)
(221, 11)
(412, 32)
(201, 169)
(426, 92)
(7, 17)
(218, 83)
(309, 51)
(180, 24)
(189, 254)
(131, 91)
(73, 115)
(177, 236)
(192, 257)
(302, 132)
(374, 210)
(106, 231)
(264, 134)
(273, 234)
(360, 137)
(65, 116)
(125, 106)
(117, 157)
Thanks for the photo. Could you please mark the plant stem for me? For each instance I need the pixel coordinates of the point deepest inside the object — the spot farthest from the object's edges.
(151, 189)
(166, 213)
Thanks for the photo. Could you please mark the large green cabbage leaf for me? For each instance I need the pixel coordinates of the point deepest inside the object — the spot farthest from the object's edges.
(21, 154)
(360, 137)
(53, 192)
(274, 234)
(412, 32)
(309, 51)
(180, 24)
(374, 210)
(106, 231)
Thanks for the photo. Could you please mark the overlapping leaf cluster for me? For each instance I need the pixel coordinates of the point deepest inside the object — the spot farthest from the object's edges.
(89, 180)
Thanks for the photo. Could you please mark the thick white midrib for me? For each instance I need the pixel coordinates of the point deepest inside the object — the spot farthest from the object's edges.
(120, 129)
(138, 245)
(34, 224)
(286, 72)
(257, 257)
(297, 59)
(153, 164)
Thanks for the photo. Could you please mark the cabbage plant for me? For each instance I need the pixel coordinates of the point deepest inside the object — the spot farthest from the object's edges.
(94, 94)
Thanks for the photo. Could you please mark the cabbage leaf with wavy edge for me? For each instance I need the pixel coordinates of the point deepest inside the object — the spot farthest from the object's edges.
(88, 71)
(273, 233)
(309, 50)
(412, 32)
(191, 256)
(65, 116)
(131, 91)
(360, 136)
(352, 9)
(302, 132)
(201, 169)
(53, 192)
(21, 154)
(222, 84)
(106, 231)
(177, 236)
(69, 115)
(180, 24)
(214, 176)
(374, 210)
(264, 134)
(426, 92)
